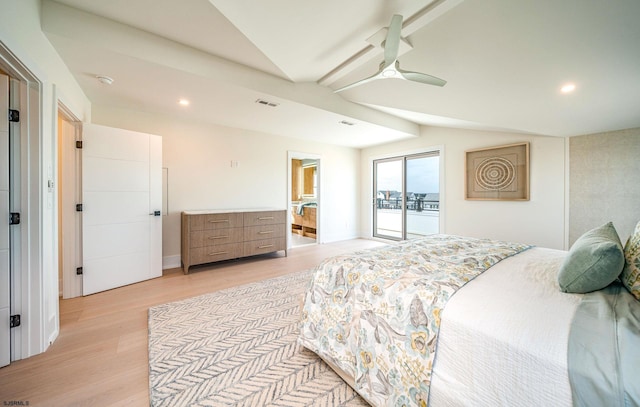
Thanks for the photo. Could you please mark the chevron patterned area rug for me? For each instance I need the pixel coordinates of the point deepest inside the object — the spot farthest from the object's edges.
(238, 347)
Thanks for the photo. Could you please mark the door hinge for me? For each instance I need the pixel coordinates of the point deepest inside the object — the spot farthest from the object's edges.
(78, 143)
(78, 207)
(14, 321)
(79, 271)
(14, 115)
(14, 218)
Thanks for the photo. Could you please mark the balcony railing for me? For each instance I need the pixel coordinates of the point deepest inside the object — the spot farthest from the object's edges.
(417, 205)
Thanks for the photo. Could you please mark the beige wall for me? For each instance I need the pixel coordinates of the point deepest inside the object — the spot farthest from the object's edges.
(539, 221)
(200, 176)
(604, 186)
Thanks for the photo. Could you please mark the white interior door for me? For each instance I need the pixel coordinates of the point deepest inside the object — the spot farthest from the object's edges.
(5, 310)
(122, 201)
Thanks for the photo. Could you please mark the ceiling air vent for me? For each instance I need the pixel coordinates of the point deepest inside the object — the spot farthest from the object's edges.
(346, 123)
(266, 103)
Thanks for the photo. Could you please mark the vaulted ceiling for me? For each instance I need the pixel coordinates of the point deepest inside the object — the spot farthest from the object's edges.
(504, 62)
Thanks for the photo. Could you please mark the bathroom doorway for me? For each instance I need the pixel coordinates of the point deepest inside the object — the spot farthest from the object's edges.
(304, 199)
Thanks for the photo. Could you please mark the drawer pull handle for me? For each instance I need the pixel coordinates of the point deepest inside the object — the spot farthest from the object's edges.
(219, 221)
(266, 232)
(265, 246)
(266, 218)
(217, 237)
(217, 253)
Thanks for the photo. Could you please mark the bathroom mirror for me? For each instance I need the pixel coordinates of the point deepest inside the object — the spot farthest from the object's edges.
(309, 177)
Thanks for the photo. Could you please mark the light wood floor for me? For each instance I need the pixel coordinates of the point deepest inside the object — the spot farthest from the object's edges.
(101, 358)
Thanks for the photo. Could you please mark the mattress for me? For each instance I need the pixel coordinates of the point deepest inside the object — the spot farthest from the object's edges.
(504, 336)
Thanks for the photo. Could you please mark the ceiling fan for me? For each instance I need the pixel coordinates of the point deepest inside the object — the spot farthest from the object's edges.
(390, 67)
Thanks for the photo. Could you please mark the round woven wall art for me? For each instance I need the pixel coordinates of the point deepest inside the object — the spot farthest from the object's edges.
(495, 173)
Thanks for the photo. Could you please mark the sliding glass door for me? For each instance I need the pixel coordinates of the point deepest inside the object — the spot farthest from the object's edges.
(406, 196)
(388, 180)
(422, 212)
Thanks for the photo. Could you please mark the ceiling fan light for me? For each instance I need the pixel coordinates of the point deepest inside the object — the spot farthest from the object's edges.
(389, 73)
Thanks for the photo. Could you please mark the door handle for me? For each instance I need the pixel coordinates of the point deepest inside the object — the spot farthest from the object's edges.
(155, 213)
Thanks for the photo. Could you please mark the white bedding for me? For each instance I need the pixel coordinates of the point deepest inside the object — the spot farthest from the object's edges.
(513, 322)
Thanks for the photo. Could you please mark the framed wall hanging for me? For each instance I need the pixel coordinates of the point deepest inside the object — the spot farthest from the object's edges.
(498, 173)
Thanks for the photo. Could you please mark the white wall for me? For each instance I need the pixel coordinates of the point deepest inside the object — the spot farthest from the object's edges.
(38, 292)
(198, 157)
(20, 32)
(539, 221)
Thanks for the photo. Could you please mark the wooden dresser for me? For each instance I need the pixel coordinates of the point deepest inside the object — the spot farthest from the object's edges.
(209, 236)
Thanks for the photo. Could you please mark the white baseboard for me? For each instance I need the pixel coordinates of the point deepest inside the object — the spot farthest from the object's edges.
(330, 238)
(171, 262)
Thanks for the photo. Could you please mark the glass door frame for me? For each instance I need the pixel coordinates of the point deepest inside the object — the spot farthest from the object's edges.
(436, 152)
(375, 197)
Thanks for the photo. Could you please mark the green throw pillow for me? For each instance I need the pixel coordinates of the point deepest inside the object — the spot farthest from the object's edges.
(594, 261)
(631, 274)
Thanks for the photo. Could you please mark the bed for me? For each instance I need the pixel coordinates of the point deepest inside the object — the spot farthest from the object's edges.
(388, 322)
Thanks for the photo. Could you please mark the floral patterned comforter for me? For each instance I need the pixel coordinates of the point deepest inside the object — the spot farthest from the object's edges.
(374, 315)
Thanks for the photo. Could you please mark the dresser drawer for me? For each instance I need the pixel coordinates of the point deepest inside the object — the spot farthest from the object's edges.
(264, 218)
(215, 221)
(215, 237)
(215, 253)
(263, 232)
(264, 246)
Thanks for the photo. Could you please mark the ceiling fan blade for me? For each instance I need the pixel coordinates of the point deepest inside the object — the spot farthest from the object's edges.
(390, 67)
(422, 78)
(360, 82)
(392, 42)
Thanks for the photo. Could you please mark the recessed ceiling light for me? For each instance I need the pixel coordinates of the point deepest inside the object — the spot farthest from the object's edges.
(568, 88)
(183, 102)
(105, 80)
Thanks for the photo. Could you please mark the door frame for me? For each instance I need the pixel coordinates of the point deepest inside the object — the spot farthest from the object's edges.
(402, 160)
(369, 202)
(28, 276)
(69, 193)
(291, 155)
(5, 225)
